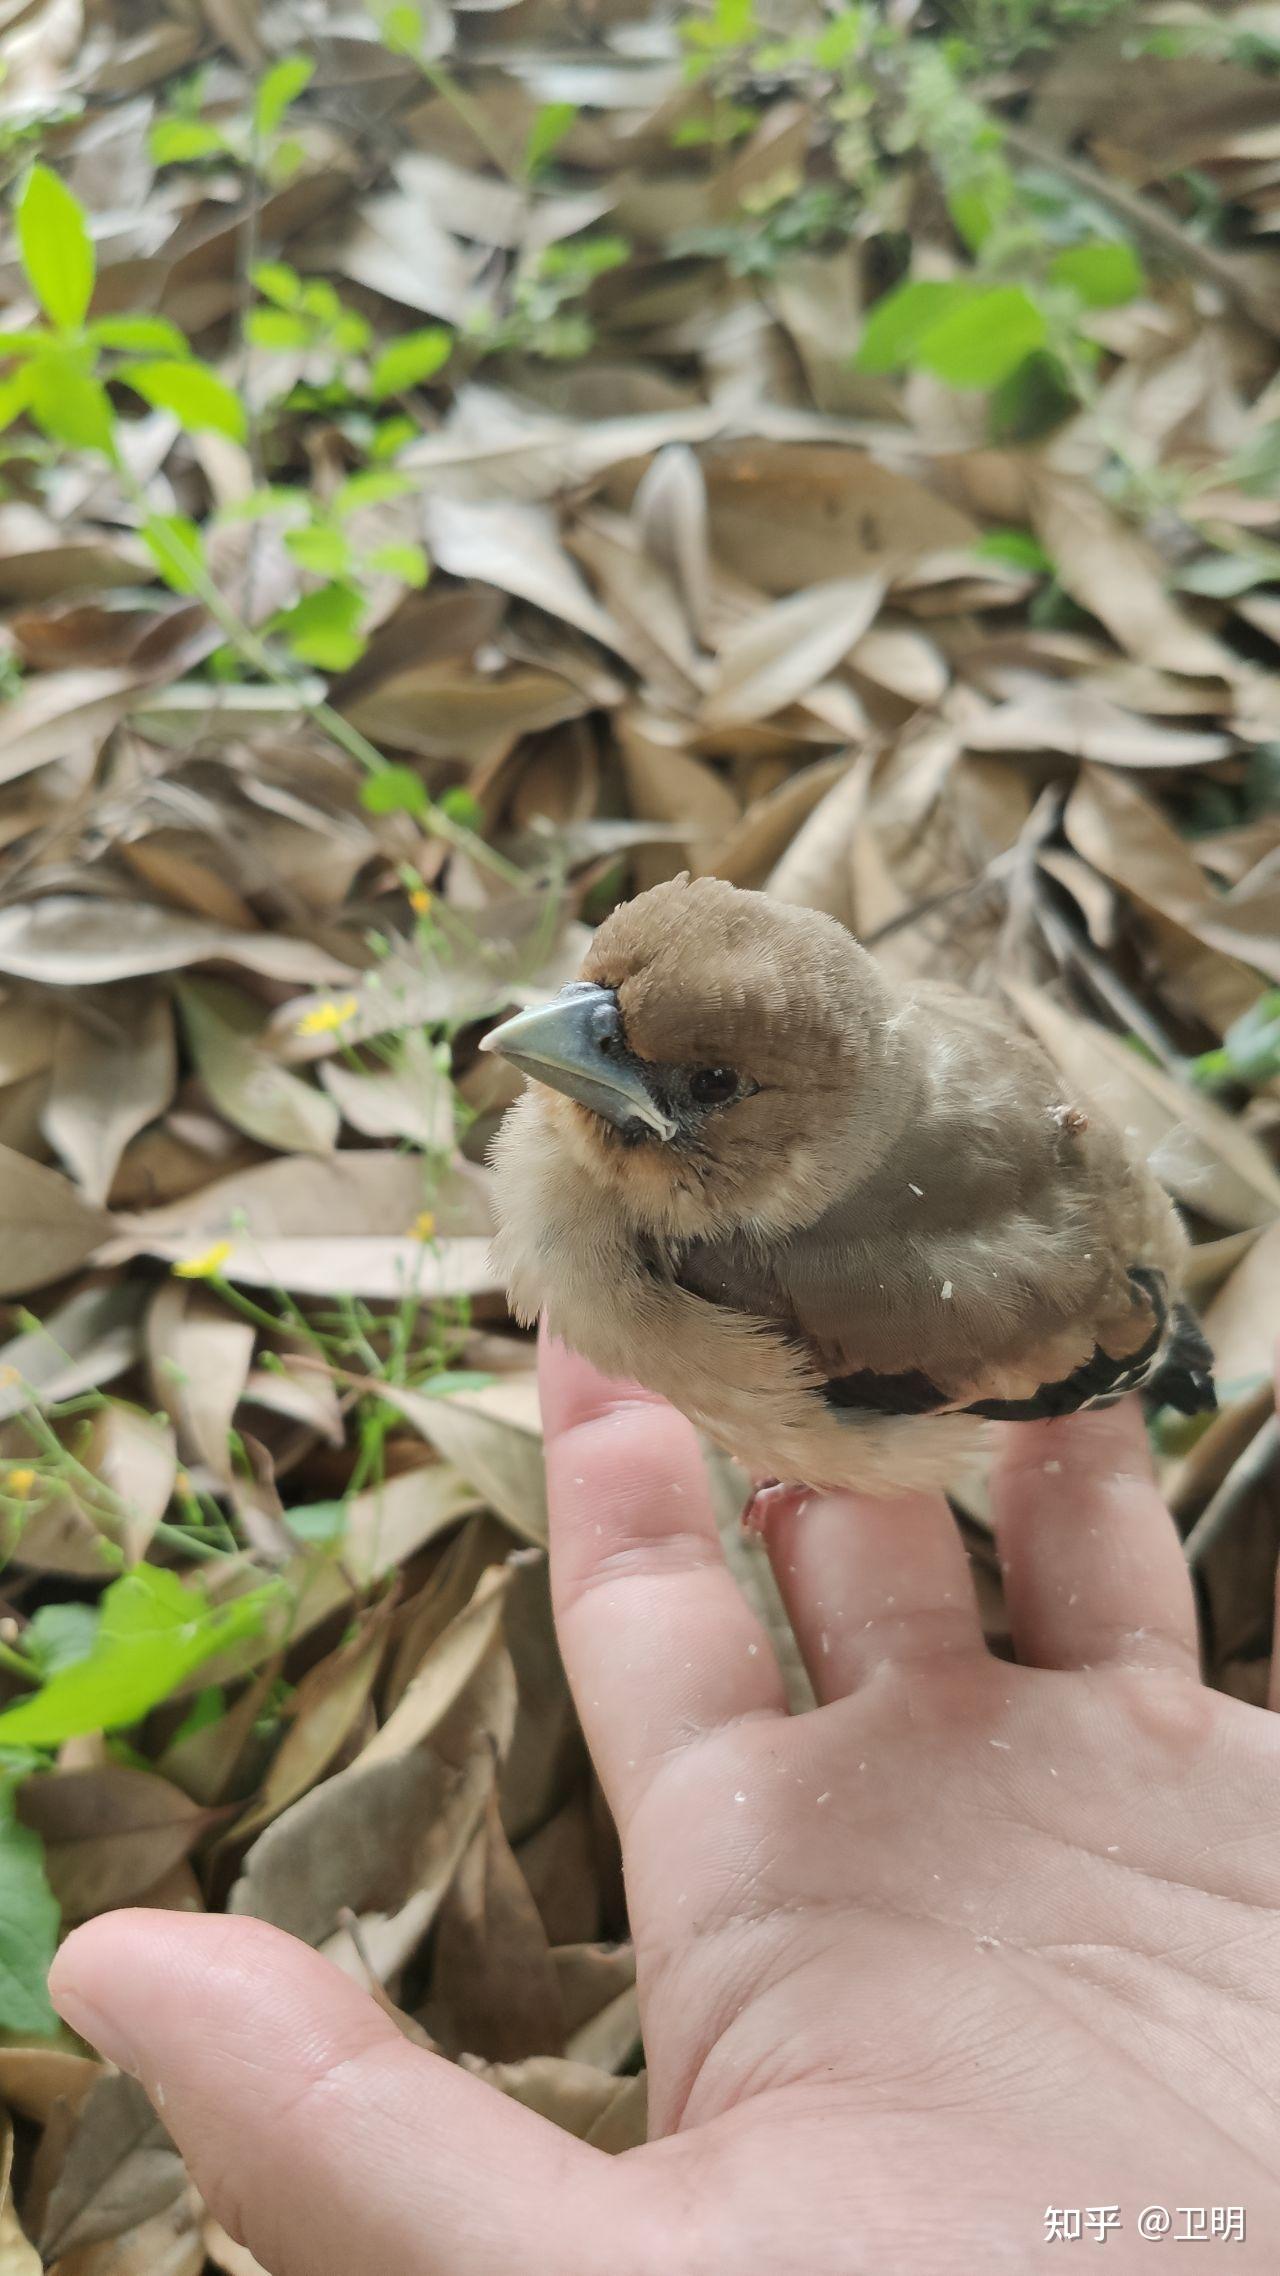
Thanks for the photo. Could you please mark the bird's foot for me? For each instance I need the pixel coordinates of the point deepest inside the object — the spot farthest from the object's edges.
(770, 1499)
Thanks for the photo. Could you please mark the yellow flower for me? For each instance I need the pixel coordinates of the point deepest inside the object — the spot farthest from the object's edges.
(9, 1375)
(423, 1228)
(420, 901)
(204, 1267)
(20, 1482)
(182, 1483)
(324, 1018)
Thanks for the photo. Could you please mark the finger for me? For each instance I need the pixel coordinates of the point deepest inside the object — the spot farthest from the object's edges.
(1094, 1571)
(870, 1582)
(660, 1645)
(316, 2133)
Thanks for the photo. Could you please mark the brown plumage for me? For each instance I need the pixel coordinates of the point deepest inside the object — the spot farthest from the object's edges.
(840, 1222)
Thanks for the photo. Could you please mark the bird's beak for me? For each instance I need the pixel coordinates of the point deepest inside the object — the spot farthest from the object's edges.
(576, 1045)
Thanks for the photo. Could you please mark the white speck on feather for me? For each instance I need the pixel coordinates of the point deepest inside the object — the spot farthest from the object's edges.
(822, 1800)
(916, 1189)
(987, 1944)
(947, 1292)
(1003, 1744)
(1053, 1469)
(825, 1641)
(739, 1796)
(752, 1649)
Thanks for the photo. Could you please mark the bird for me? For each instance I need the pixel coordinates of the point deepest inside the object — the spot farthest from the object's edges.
(845, 1223)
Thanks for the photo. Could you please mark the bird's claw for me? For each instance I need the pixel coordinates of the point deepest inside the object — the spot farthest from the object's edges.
(770, 1499)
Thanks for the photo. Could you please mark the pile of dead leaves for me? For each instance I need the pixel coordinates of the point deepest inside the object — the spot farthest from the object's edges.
(703, 594)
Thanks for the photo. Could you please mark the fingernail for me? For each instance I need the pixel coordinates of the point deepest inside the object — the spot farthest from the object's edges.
(102, 2031)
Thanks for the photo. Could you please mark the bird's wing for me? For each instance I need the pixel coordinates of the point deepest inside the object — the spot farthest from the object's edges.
(1009, 1257)
(861, 1336)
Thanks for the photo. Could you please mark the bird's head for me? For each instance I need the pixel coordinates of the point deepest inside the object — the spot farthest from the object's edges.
(725, 1060)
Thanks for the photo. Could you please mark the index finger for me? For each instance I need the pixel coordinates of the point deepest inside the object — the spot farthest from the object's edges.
(660, 1646)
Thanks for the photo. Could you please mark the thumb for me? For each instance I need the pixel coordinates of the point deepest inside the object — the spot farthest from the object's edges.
(316, 2133)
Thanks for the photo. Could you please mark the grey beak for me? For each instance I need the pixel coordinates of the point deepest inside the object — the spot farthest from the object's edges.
(576, 1045)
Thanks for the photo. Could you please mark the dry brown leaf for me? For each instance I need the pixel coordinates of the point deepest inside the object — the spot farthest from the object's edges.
(18, 2256)
(199, 1356)
(494, 1987)
(1243, 1321)
(1205, 1157)
(46, 1228)
(392, 1827)
(500, 1458)
(110, 1834)
(1108, 569)
(70, 941)
(784, 652)
(574, 2096)
(34, 2079)
(389, 1523)
(169, 2244)
(324, 1711)
(249, 1087)
(789, 515)
(412, 1100)
(120, 2168)
(112, 1074)
(59, 712)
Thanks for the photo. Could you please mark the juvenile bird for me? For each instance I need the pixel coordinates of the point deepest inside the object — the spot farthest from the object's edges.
(841, 1222)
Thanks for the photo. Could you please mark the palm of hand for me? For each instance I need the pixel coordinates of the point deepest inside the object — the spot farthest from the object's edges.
(971, 1941)
(976, 1941)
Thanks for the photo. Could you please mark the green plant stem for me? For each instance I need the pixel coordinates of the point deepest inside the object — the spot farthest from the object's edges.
(255, 651)
(189, 1544)
(446, 87)
(18, 1664)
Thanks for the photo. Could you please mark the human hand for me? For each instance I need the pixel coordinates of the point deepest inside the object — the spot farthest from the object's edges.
(970, 1941)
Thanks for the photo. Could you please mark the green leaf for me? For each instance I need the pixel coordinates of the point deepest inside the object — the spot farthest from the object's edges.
(68, 404)
(1031, 400)
(286, 159)
(56, 248)
(401, 29)
(407, 562)
(321, 1524)
(192, 392)
(29, 1923)
(177, 548)
(406, 362)
(60, 1635)
(281, 86)
(277, 328)
(373, 486)
(900, 321)
(180, 142)
(275, 280)
(152, 1635)
(461, 807)
(140, 335)
(15, 396)
(980, 342)
(585, 257)
(320, 548)
(394, 790)
(1016, 546)
(324, 628)
(550, 126)
(1101, 275)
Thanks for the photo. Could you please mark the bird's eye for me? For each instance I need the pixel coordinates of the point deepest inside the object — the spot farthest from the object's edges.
(713, 1086)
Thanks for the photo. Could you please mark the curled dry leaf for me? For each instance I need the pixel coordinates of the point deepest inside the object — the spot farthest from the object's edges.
(109, 1834)
(393, 1826)
(119, 2169)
